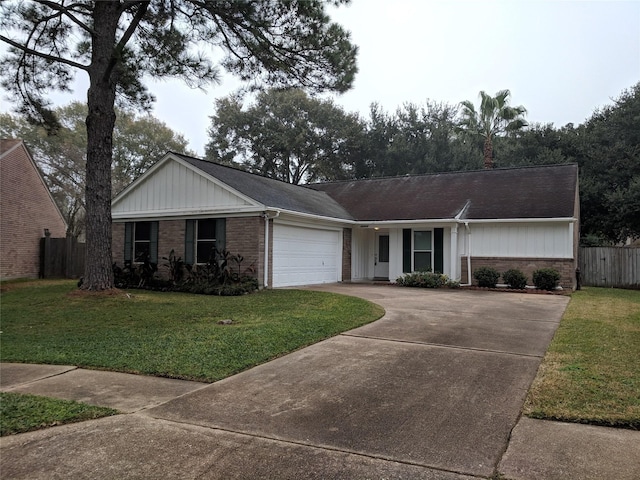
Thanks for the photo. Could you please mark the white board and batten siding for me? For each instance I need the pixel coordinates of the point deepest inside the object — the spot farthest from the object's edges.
(177, 189)
(305, 256)
(524, 240)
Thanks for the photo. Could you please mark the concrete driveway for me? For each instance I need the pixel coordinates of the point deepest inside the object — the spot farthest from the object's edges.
(431, 390)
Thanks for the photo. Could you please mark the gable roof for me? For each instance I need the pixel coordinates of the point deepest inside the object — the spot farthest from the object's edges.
(510, 193)
(9, 148)
(8, 144)
(537, 192)
(272, 193)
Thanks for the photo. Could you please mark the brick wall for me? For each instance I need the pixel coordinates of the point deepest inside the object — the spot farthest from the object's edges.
(117, 243)
(170, 237)
(245, 236)
(566, 267)
(26, 209)
(346, 255)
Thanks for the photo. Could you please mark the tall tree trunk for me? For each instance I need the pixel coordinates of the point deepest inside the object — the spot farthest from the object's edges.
(488, 153)
(101, 119)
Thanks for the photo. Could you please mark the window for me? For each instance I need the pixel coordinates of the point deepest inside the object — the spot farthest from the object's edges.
(141, 242)
(422, 251)
(202, 239)
(205, 240)
(383, 248)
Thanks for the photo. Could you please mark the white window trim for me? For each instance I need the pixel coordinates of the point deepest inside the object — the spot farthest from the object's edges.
(413, 249)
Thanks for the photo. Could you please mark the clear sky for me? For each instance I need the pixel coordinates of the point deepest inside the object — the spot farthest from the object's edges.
(560, 59)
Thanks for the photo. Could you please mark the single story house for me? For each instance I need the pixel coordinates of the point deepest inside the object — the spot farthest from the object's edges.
(27, 209)
(356, 230)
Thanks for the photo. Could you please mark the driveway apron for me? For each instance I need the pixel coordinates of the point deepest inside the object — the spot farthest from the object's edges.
(438, 382)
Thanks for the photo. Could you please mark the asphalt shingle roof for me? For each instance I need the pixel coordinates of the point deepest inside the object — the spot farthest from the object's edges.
(272, 193)
(525, 192)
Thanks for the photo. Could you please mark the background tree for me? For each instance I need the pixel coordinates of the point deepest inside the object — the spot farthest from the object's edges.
(61, 156)
(538, 144)
(417, 139)
(286, 134)
(495, 117)
(138, 142)
(276, 42)
(608, 152)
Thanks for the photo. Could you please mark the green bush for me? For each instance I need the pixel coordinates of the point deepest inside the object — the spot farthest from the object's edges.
(426, 280)
(514, 278)
(222, 275)
(486, 277)
(546, 278)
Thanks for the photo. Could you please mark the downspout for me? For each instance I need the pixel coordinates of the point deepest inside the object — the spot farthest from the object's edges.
(266, 245)
(466, 226)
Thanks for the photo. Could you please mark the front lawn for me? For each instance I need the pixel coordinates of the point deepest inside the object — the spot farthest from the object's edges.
(173, 335)
(23, 413)
(591, 372)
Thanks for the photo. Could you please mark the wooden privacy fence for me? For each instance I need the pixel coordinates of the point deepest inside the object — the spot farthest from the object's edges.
(610, 266)
(61, 257)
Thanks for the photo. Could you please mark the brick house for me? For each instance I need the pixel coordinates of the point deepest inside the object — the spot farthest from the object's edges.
(358, 230)
(26, 210)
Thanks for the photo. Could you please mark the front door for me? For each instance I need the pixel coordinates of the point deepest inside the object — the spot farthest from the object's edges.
(381, 257)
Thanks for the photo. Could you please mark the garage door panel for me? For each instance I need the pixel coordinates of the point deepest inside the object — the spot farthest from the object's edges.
(303, 256)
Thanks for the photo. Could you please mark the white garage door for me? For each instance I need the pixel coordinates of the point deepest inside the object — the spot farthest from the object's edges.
(305, 256)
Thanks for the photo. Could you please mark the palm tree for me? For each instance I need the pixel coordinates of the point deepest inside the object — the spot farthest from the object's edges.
(495, 117)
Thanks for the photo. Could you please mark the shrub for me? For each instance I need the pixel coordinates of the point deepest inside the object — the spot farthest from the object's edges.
(175, 265)
(426, 280)
(546, 278)
(514, 278)
(216, 277)
(486, 277)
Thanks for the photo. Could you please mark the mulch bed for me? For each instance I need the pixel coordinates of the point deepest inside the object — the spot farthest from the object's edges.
(515, 290)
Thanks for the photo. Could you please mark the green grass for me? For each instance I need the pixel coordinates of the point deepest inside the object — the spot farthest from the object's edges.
(591, 372)
(168, 334)
(23, 413)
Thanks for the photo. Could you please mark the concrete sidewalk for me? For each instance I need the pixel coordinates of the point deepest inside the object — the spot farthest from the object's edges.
(433, 390)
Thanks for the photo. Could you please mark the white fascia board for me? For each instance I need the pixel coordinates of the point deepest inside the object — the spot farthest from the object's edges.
(456, 221)
(520, 220)
(188, 213)
(405, 223)
(310, 216)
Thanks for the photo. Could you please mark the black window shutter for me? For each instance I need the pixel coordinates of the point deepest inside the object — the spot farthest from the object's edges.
(188, 242)
(153, 243)
(221, 234)
(438, 252)
(128, 241)
(406, 250)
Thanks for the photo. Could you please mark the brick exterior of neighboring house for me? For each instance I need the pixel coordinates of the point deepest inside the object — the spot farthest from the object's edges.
(26, 210)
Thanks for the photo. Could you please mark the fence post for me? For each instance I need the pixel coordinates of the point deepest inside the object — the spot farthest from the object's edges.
(46, 254)
(68, 256)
